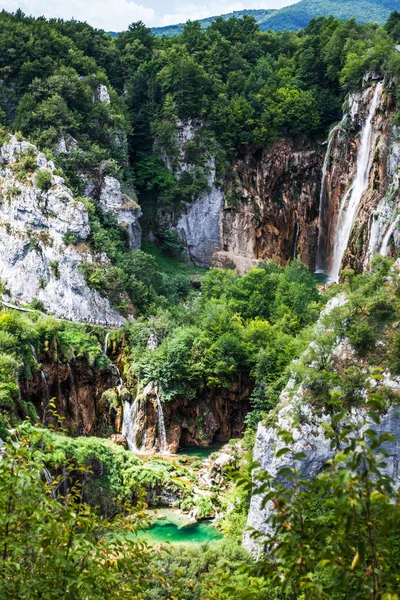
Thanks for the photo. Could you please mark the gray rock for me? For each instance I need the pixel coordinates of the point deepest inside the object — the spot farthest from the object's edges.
(34, 260)
(102, 94)
(126, 209)
(199, 227)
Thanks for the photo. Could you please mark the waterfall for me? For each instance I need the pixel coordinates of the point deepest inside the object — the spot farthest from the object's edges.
(45, 386)
(322, 226)
(161, 424)
(45, 396)
(35, 358)
(129, 428)
(388, 235)
(351, 200)
(105, 348)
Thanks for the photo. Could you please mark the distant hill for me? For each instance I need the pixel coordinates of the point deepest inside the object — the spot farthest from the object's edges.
(260, 16)
(297, 16)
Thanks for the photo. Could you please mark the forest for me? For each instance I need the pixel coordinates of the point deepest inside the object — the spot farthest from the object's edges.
(74, 500)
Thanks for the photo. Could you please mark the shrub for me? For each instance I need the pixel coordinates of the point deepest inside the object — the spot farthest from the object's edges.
(43, 180)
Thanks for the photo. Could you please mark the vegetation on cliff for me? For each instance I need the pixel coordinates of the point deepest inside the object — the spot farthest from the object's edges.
(115, 107)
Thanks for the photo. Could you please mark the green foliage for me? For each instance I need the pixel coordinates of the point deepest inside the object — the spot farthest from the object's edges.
(43, 180)
(336, 536)
(298, 15)
(45, 540)
(238, 327)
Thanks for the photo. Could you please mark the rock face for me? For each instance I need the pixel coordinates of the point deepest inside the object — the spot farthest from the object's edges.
(379, 203)
(306, 427)
(283, 202)
(271, 206)
(214, 416)
(80, 395)
(37, 216)
(126, 209)
(199, 225)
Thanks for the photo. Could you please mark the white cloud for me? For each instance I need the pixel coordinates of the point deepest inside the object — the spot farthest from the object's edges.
(183, 11)
(116, 15)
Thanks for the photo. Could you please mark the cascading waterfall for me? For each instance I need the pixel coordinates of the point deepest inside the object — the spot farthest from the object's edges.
(161, 423)
(106, 344)
(323, 227)
(388, 235)
(128, 423)
(351, 200)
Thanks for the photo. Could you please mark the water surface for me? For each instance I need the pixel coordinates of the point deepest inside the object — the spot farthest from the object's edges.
(201, 452)
(172, 527)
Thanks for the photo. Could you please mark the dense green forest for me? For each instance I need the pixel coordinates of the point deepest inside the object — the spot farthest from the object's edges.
(297, 16)
(74, 534)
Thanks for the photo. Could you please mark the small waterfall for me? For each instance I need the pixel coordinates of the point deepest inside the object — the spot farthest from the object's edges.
(35, 358)
(129, 429)
(351, 200)
(45, 396)
(161, 424)
(323, 226)
(388, 235)
(296, 239)
(105, 348)
(121, 381)
(45, 386)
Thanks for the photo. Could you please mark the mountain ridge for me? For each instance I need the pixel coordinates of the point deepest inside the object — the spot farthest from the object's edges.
(298, 15)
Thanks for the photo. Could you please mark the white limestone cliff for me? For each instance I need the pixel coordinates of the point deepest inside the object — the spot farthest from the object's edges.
(36, 224)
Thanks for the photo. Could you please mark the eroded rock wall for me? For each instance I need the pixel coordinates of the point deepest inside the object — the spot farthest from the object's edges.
(271, 205)
(213, 416)
(36, 258)
(78, 391)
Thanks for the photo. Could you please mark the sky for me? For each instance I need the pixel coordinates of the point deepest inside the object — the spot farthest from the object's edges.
(116, 15)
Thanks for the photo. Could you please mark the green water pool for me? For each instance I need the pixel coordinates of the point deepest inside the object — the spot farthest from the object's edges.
(171, 527)
(201, 452)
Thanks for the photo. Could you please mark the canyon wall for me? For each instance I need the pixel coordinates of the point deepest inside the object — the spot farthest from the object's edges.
(215, 415)
(290, 200)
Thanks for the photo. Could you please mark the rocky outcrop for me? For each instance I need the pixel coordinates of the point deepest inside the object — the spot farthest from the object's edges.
(305, 421)
(306, 426)
(199, 223)
(38, 220)
(213, 416)
(271, 205)
(126, 208)
(85, 398)
(378, 206)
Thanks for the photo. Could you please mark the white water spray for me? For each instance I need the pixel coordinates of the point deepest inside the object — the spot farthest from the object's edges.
(388, 235)
(161, 423)
(321, 233)
(105, 348)
(351, 200)
(129, 422)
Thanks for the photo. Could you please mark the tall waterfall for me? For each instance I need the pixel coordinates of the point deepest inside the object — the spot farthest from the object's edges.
(323, 224)
(351, 200)
(105, 348)
(388, 235)
(161, 423)
(128, 423)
